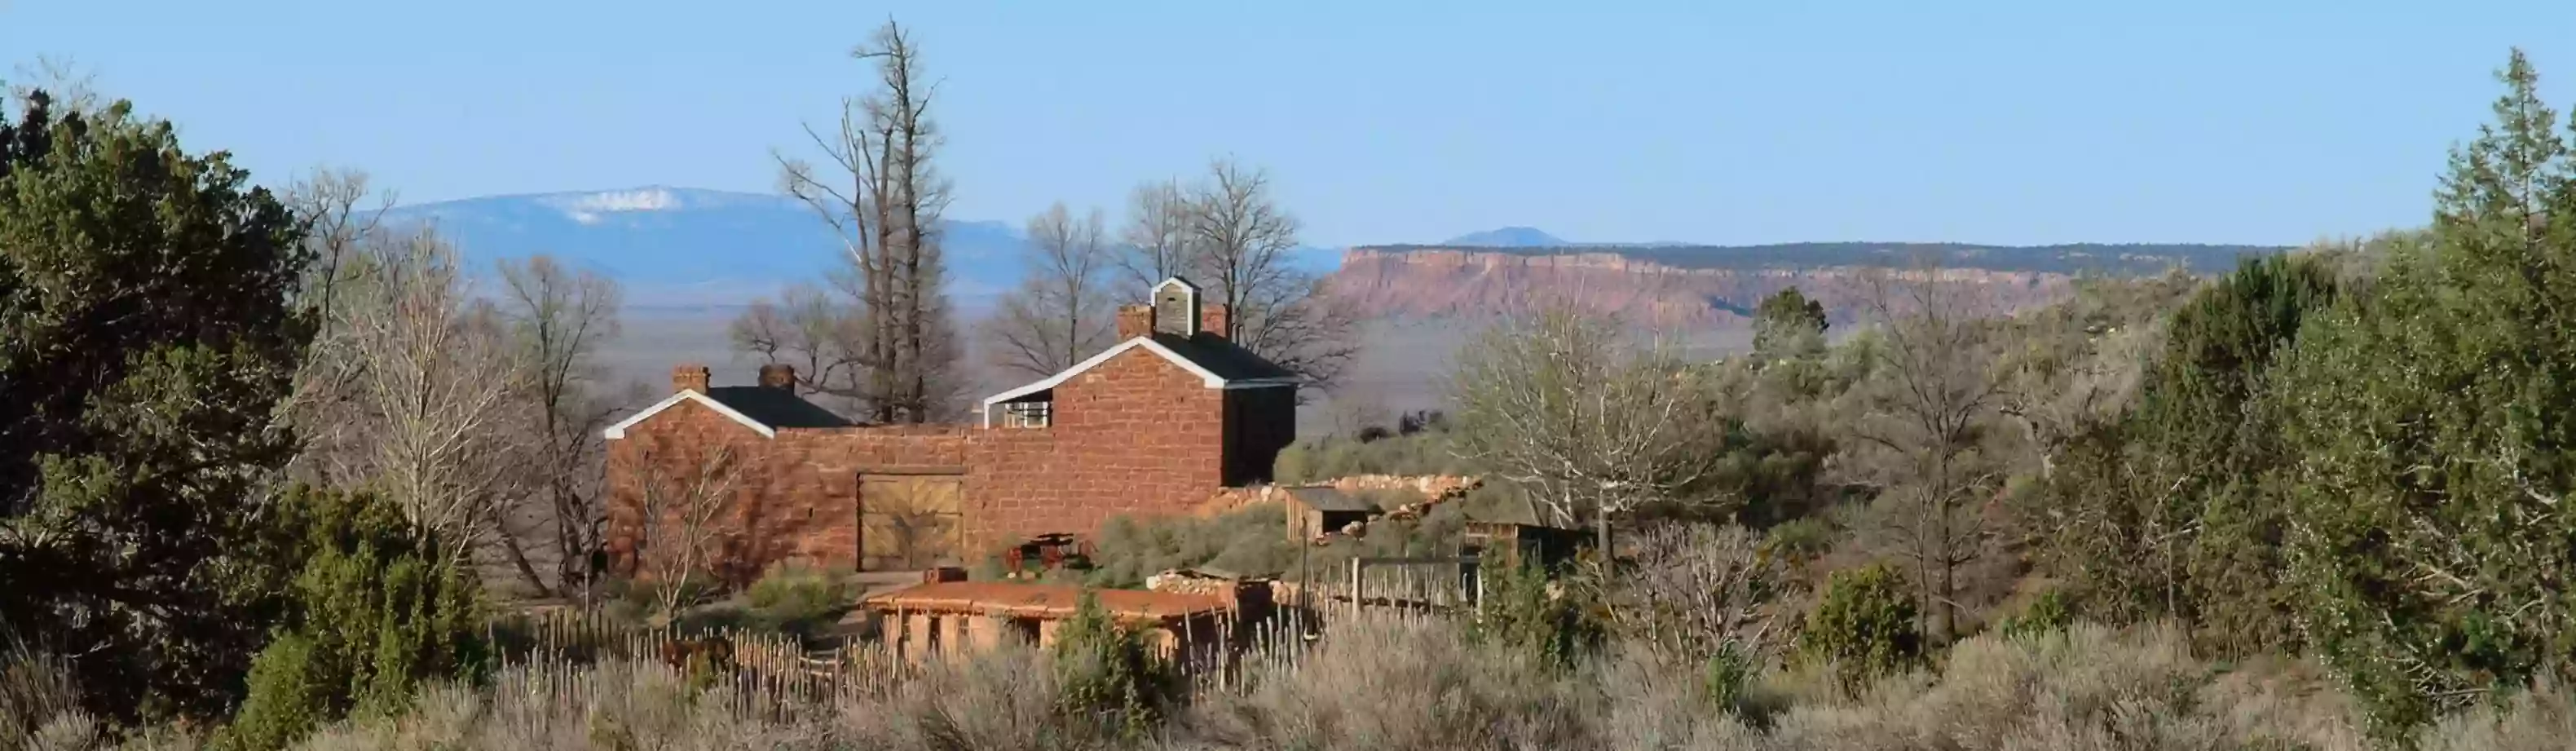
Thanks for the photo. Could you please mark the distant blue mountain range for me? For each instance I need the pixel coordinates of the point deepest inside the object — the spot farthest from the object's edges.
(673, 246)
(1508, 237)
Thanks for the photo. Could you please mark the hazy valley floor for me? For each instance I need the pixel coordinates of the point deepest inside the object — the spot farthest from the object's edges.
(1402, 364)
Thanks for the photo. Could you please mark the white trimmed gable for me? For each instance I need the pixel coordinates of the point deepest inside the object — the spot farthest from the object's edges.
(1206, 377)
(618, 431)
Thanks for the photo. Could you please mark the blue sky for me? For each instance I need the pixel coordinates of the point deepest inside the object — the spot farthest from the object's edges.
(1998, 122)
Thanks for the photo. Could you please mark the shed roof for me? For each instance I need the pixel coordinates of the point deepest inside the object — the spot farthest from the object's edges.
(1049, 601)
(1326, 498)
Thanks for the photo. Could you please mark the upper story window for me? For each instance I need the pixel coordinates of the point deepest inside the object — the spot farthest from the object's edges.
(1028, 414)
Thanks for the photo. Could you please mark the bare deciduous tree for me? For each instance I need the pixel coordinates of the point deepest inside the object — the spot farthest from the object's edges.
(558, 318)
(1227, 233)
(811, 328)
(1696, 590)
(345, 213)
(884, 197)
(1591, 423)
(683, 495)
(1061, 313)
(1157, 235)
(409, 387)
(2084, 360)
(1933, 395)
(1241, 241)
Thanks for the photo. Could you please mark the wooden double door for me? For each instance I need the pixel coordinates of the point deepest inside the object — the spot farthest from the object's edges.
(909, 522)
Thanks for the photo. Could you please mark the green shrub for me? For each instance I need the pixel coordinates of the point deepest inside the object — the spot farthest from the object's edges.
(1804, 538)
(291, 694)
(2046, 613)
(1107, 677)
(1426, 451)
(1865, 626)
(1251, 541)
(1728, 678)
(375, 611)
(1522, 613)
(797, 600)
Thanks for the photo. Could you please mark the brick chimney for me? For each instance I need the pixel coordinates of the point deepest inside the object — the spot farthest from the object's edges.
(1135, 321)
(778, 376)
(1216, 318)
(689, 377)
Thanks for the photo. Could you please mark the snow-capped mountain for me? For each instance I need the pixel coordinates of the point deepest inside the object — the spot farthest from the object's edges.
(691, 247)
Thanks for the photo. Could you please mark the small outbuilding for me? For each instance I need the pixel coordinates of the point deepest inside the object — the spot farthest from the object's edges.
(1315, 510)
(943, 617)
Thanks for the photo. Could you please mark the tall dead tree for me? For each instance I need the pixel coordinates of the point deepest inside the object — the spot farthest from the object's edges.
(883, 195)
(1061, 313)
(1934, 393)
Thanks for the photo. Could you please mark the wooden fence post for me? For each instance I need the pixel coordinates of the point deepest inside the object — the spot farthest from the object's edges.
(1358, 596)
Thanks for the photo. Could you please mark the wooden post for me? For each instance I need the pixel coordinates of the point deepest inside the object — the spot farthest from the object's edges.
(1357, 596)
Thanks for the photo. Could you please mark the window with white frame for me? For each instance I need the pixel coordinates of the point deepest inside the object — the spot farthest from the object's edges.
(1027, 414)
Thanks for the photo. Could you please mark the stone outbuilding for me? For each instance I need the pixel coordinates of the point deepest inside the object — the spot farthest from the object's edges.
(945, 617)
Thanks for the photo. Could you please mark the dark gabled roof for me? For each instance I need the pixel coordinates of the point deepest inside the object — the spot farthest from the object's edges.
(776, 408)
(1222, 357)
(1330, 499)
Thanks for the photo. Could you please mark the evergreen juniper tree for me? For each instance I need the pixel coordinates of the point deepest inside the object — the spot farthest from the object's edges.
(2437, 425)
(147, 334)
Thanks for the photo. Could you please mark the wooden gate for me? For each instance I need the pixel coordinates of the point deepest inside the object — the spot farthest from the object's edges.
(911, 522)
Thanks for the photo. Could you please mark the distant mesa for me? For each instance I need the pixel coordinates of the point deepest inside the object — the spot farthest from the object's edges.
(1714, 286)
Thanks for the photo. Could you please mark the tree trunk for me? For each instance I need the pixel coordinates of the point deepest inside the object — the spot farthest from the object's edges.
(1602, 521)
(519, 559)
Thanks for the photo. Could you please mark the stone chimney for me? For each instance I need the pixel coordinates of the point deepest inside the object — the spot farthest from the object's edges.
(1135, 321)
(778, 376)
(1216, 318)
(689, 377)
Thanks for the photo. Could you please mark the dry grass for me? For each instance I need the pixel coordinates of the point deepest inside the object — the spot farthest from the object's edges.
(1001, 700)
(2544, 718)
(1409, 683)
(38, 701)
(1416, 683)
(2086, 688)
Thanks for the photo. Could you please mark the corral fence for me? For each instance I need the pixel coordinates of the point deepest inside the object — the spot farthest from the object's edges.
(1444, 585)
(768, 672)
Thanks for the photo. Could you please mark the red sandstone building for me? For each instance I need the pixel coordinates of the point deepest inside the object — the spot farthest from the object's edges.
(1157, 423)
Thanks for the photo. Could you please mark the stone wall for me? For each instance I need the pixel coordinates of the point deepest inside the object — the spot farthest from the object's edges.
(793, 498)
(1132, 435)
